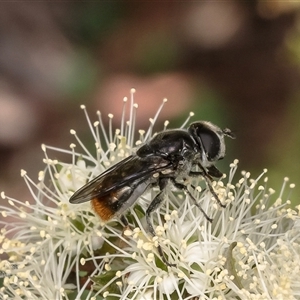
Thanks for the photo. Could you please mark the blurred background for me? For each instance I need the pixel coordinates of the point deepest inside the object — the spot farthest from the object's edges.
(234, 63)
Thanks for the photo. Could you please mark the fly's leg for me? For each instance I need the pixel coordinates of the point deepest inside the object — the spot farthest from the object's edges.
(195, 188)
(209, 172)
(208, 179)
(124, 221)
(155, 203)
(121, 242)
(211, 189)
(196, 174)
(181, 186)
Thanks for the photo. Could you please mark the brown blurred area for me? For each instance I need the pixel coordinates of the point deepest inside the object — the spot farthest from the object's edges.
(231, 62)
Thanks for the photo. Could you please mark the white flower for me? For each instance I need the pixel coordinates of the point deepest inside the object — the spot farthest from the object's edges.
(57, 250)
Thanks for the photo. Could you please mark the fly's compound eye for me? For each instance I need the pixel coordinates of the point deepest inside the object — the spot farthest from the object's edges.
(209, 139)
(210, 142)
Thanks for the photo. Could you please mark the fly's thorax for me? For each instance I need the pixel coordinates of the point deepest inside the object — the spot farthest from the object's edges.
(183, 168)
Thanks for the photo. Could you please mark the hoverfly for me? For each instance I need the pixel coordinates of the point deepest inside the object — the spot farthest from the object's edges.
(169, 157)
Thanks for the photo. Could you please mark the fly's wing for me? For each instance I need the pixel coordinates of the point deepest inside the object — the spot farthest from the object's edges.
(121, 174)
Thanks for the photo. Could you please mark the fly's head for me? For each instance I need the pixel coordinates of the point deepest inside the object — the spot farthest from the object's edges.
(209, 141)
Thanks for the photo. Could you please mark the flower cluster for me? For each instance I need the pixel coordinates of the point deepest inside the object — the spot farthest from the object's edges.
(57, 250)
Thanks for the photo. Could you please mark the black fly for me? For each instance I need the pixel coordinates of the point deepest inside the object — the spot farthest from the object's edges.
(169, 156)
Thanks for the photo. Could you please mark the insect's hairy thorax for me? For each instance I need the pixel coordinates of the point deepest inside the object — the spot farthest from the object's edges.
(170, 143)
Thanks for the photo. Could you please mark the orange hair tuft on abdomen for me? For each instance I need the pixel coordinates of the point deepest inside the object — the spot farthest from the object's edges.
(102, 209)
